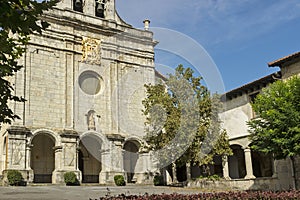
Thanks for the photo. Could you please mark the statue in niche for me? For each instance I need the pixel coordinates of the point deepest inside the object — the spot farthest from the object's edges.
(91, 120)
(91, 50)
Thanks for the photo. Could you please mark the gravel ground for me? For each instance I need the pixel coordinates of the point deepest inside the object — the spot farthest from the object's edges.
(84, 192)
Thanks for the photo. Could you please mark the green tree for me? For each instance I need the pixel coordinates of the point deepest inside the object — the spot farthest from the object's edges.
(183, 122)
(277, 129)
(18, 19)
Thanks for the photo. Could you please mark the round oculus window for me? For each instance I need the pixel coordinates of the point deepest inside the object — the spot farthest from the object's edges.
(90, 82)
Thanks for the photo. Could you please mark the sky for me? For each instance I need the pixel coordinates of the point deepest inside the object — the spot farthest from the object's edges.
(239, 36)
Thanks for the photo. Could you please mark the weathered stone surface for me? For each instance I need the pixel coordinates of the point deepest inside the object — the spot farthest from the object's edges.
(83, 77)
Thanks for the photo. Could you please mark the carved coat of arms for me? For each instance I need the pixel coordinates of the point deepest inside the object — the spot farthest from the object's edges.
(91, 50)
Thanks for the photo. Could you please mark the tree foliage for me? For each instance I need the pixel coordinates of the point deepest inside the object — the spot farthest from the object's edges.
(183, 122)
(277, 129)
(18, 19)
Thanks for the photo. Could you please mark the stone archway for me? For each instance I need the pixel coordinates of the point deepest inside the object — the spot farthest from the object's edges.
(89, 161)
(130, 159)
(262, 164)
(236, 162)
(42, 157)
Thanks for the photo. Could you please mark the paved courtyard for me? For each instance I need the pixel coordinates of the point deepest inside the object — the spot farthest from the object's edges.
(83, 192)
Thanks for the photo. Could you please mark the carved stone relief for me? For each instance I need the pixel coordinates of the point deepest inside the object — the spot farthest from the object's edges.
(69, 155)
(17, 153)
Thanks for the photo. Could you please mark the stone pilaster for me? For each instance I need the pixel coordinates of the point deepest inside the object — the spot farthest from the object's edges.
(66, 157)
(248, 162)
(112, 159)
(17, 144)
(89, 7)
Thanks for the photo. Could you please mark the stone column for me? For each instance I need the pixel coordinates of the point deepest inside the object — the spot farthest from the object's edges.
(225, 167)
(248, 162)
(28, 156)
(174, 173)
(274, 167)
(57, 175)
(30, 175)
(188, 171)
(57, 157)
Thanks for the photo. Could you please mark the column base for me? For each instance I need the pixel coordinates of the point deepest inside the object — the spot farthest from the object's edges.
(108, 177)
(58, 176)
(26, 174)
(250, 177)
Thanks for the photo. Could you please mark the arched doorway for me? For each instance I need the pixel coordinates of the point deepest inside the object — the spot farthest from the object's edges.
(90, 158)
(181, 172)
(42, 158)
(130, 159)
(262, 164)
(236, 162)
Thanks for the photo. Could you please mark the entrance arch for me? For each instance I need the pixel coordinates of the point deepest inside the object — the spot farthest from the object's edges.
(130, 159)
(262, 164)
(90, 158)
(236, 162)
(42, 157)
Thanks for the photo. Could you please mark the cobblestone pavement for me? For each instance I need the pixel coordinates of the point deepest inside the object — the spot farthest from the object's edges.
(83, 192)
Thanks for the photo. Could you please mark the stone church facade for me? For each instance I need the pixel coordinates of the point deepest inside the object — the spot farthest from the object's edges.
(83, 80)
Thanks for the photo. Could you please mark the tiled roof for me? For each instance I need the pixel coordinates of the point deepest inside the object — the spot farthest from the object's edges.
(285, 59)
(252, 86)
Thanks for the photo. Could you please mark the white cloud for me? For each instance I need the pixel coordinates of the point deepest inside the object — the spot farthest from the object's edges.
(213, 20)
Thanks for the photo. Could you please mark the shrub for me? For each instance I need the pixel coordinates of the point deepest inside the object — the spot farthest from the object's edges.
(70, 178)
(214, 177)
(158, 180)
(14, 177)
(119, 180)
(245, 195)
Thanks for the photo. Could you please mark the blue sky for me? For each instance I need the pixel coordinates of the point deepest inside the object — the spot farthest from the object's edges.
(241, 36)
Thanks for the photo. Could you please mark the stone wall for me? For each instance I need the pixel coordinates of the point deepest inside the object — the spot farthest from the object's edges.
(238, 184)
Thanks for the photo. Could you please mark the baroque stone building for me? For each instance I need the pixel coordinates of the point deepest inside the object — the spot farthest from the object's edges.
(83, 80)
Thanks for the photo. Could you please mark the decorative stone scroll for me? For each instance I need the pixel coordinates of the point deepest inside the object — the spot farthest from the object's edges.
(91, 50)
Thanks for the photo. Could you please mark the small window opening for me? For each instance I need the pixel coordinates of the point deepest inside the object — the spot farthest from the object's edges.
(77, 5)
(99, 8)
